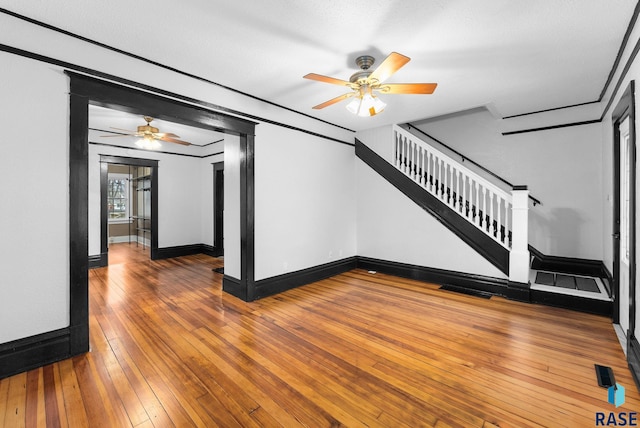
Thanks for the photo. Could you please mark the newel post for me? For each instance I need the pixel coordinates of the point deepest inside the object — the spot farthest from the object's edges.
(519, 255)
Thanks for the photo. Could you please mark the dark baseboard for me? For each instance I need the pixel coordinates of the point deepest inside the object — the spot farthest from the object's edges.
(32, 352)
(633, 357)
(487, 284)
(484, 245)
(576, 303)
(235, 287)
(287, 281)
(181, 250)
(212, 251)
(98, 260)
(567, 264)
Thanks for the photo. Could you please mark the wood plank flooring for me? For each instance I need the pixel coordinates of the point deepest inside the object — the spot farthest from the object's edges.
(168, 348)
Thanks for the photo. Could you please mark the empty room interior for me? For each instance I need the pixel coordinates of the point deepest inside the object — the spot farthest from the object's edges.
(381, 213)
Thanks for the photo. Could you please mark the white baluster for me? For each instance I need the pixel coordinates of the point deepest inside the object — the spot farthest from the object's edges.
(476, 187)
(430, 171)
(491, 229)
(442, 179)
(459, 196)
(499, 219)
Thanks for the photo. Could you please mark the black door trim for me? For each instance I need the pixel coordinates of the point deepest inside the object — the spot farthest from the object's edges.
(85, 90)
(105, 160)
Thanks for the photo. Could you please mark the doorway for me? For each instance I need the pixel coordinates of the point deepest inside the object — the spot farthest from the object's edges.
(85, 90)
(129, 202)
(624, 215)
(218, 211)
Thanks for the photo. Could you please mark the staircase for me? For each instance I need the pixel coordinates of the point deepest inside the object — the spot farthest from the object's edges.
(490, 218)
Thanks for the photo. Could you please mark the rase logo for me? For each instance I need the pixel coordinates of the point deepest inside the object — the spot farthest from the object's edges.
(615, 396)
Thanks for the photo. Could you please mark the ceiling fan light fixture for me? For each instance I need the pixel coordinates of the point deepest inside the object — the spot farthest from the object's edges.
(366, 105)
(148, 142)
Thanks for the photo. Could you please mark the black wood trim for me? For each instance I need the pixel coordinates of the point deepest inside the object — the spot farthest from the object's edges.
(247, 221)
(623, 45)
(495, 253)
(151, 89)
(85, 90)
(154, 211)
(157, 64)
(98, 260)
(625, 108)
(550, 109)
(104, 214)
(125, 160)
(31, 352)
(235, 287)
(212, 251)
(179, 251)
(248, 199)
(117, 146)
(576, 303)
(212, 154)
(547, 128)
(78, 221)
(623, 74)
(218, 207)
(571, 265)
(633, 359)
(487, 284)
(287, 281)
(155, 103)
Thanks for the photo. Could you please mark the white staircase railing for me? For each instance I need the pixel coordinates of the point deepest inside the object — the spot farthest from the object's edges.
(501, 215)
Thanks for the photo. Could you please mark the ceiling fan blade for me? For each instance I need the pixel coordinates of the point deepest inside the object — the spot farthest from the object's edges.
(173, 140)
(334, 100)
(116, 135)
(326, 79)
(165, 134)
(408, 88)
(128, 131)
(390, 65)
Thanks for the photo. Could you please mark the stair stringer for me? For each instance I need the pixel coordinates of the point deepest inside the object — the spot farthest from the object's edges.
(488, 248)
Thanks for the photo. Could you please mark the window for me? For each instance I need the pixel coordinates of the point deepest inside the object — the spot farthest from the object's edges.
(118, 191)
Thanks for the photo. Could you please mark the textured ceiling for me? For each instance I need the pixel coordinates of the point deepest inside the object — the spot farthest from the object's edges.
(517, 56)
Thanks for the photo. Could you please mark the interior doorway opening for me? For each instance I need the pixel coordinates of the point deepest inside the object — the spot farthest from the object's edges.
(129, 202)
(129, 216)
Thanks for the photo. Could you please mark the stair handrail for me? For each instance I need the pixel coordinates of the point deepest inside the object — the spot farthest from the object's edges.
(478, 178)
(501, 215)
(479, 201)
(464, 158)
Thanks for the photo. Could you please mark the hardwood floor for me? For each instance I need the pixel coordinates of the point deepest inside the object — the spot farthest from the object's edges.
(168, 348)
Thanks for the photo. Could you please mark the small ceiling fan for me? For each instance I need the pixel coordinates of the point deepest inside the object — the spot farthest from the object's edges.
(149, 134)
(366, 83)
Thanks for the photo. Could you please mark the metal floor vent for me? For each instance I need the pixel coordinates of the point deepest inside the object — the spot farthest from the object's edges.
(567, 281)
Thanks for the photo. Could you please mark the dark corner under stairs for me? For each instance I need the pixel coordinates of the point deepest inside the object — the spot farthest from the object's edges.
(568, 283)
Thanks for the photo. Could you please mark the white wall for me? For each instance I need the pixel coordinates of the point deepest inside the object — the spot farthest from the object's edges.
(562, 167)
(305, 201)
(181, 196)
(34, 301)
(34, 230)
(392, 227)
(231, 215)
